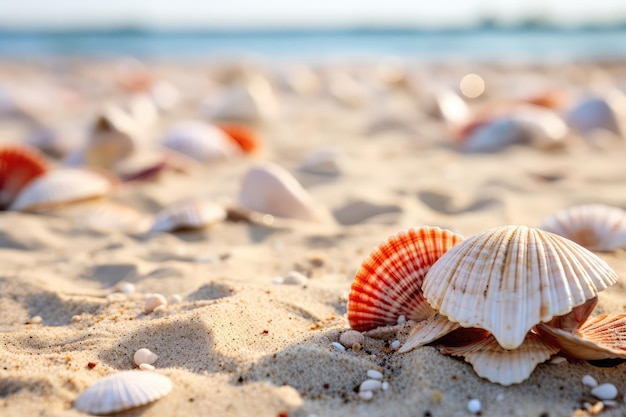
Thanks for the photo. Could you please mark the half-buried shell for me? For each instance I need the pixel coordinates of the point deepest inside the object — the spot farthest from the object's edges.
(123, 391)
(188, 214)
(201, 141)
(595, 226)
(19, 165)
(508, 279)
(389, 282)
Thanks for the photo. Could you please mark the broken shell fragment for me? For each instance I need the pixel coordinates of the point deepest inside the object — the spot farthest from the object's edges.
(508, 279)
(427, 331)
(123, 391)
(388, 285)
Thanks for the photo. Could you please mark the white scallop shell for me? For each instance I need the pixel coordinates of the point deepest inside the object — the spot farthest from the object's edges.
(61, 186)
(597, 227)
(502, 366)
(427, 331)
(188, 214)
(201, 141)
(508, 279)
(122, 391)
(600, 337)
(271, 189)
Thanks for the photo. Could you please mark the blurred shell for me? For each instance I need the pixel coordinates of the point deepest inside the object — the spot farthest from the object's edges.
(107, 217)
(201, 141)
(61, 186)
(428, 331)
(188, 214)
(600, 337)
(594, 113)
(19, 165)
(123, 391)
(452, 108)
(502, 366)
(324, 161)
(508, 279)
(595, 226)
(271, 189)
(388, 283)
(109, 142)
(243, 136)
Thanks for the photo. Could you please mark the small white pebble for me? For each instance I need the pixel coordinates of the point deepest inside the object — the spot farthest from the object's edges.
(384, 386)
(401, 319)
(144, 355)
(590, 381)
(175, 299)
(558, 360)
(146, 367)
(295, 278)
(366, 395)
(76, 318)
(350, 337)
(474, 406)
(500, 397)
(370, 385)
(160, 309)
(127, 287)
(374, 374)
(338, 346)
(395, 344)
(152, 301)
(605, 392)
(278, 280)
(35, 320)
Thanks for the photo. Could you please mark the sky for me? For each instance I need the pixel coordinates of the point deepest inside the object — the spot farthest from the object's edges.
(241, 14)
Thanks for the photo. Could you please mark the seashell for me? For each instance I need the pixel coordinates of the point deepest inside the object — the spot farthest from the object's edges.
(106, 217)
(388, 283)
(324, 161)
(601, 337)
(573, 320)
(188, 214)
(452, 108)
(508, 279)
(154, 301)
(201, 141)
(597, 227)
(122, 391)
(145, 355)
(594, 113)
(244, 137)
(19, 165)
(271, 189)
(502, 366)
(59, 187)
(350, 337)
(427, 331)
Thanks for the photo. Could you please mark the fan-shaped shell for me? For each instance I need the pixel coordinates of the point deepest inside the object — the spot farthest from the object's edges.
(188, 214)
(600, 337)
(271, 189)
(508, 279)
(243, 136)
(201, 141)
(428, 331)
(597, 227)
(123, 391)
(501, 366)
(389, 282)
(19, 165)
(59, 187)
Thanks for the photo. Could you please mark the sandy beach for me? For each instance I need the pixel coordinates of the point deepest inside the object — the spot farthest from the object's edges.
(368, 144)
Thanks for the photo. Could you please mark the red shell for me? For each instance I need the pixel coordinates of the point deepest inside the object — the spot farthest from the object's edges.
(243, 136)
(19, 164)
(389, 282)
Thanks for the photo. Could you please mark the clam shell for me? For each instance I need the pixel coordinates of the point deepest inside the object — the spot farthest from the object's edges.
(59, 187)
(188, 214)
(388, 283)
(123, 391)
(600, 337)
(501, 366)
(271, 189)
(597, 227)
(19, 165)
(428, 331)
(508, 279)
(201, 141)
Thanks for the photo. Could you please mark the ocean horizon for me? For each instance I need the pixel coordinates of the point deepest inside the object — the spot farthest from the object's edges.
(528, 42)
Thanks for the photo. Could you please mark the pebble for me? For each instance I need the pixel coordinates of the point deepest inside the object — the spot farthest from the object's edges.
(294, 278)
(35, 320)
(384, 386)
(366, 395)
(152, 301)
(395, 344)
(374, 374)
(558, 360)
(146, 367)
(401, 319)
(175, 299)
(370, 385)
(589, 381)
(605, 392)
(144, 355)
(338, 346)
(127, 288)
(474, 406)
(350, 337)
(76, 318)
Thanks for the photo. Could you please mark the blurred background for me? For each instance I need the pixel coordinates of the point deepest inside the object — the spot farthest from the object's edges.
(443, 29)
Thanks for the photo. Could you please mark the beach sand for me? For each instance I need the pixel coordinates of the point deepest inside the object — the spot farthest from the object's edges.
(239, 343)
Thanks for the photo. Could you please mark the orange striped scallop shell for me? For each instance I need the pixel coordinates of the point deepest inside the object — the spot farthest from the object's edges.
(247, 140)
(18, 166)
(389, 282)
